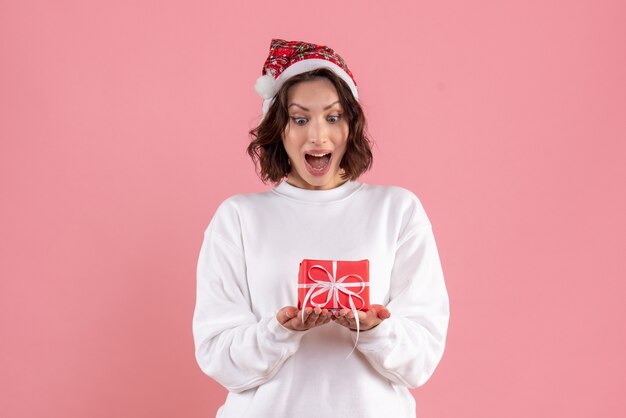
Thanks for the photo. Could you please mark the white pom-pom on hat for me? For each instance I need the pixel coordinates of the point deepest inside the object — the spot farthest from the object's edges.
(266, 86)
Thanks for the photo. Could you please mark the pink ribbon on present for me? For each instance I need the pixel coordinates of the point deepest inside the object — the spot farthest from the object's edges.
(332, 287)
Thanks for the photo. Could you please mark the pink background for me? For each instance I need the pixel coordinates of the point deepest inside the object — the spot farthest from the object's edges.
(123, 125)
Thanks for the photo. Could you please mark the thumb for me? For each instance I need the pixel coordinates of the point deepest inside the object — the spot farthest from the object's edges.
(381, 311)
(286, 313)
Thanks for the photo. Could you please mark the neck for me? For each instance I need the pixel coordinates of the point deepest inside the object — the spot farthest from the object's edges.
(296, 181)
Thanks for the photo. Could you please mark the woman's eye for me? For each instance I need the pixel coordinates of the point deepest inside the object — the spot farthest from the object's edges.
(299, 121)
(334, 118)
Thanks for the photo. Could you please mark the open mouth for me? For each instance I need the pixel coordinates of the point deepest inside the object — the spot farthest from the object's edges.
(318, 162)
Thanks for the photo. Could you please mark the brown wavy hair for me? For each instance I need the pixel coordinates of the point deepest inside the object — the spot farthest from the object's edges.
(267, 149)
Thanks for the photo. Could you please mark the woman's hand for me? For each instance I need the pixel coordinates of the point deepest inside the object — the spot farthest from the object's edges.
(290, 317)
(367, 320)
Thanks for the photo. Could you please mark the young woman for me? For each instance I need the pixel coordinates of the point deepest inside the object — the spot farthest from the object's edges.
(275, 360)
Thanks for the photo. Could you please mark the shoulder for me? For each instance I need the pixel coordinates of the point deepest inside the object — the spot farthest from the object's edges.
(243, 201)
(227, 216)
(400, 200)
(396, 193)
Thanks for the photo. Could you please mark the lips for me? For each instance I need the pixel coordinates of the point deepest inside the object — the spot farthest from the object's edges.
(318, 161)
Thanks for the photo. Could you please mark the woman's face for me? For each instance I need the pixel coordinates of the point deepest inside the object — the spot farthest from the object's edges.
(316, 135)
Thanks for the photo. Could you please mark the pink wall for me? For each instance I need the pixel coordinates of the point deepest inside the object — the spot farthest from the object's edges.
(123, 124)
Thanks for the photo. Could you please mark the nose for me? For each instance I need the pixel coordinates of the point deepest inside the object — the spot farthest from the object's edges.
(318, 132)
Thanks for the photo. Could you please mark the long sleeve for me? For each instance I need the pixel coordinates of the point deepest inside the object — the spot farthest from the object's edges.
(407, 347)
(233, 345)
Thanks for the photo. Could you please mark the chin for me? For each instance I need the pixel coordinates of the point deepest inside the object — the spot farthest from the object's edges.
(326, 181)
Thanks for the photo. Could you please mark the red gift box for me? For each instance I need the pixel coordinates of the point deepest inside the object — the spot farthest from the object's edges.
(334, 284)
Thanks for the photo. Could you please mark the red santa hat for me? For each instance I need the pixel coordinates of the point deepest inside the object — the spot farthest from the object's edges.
(289, 58)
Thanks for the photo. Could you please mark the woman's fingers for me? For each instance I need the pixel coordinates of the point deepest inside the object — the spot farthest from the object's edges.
(367, 320)
(304, 317)
(341, 320)
(286, 314)
(324, 317)
(312, 318)
(290, 317)
(381, 311)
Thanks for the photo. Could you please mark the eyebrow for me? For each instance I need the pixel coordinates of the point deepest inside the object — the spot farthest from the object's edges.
(305, 109)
